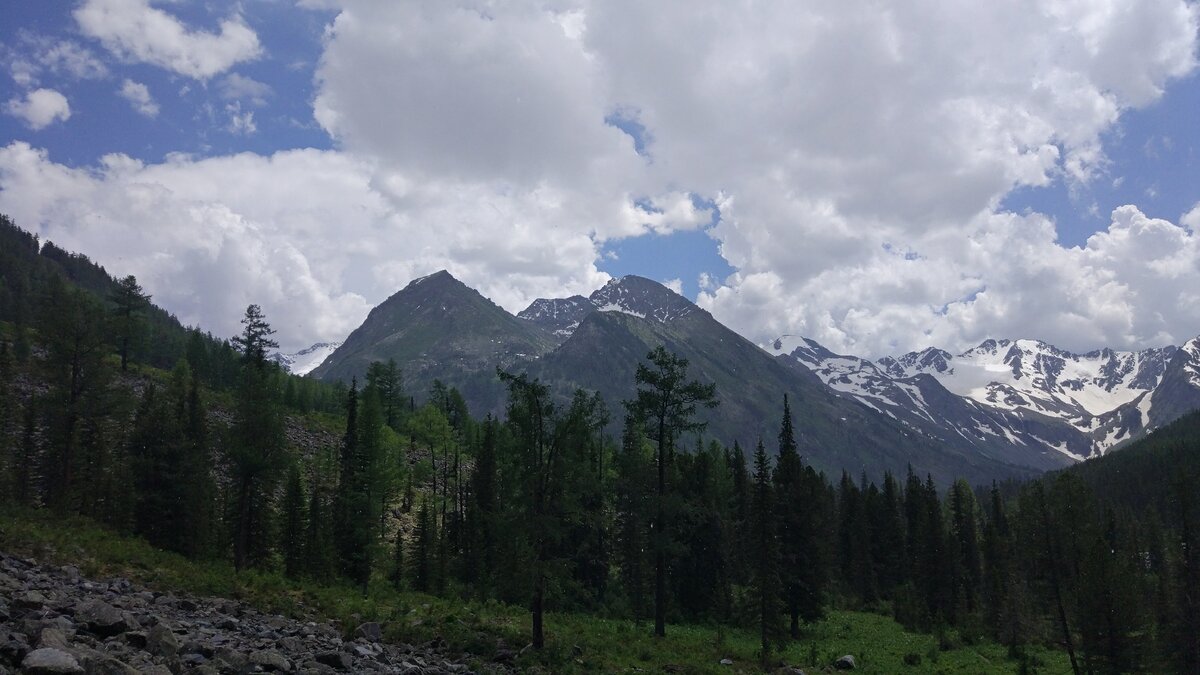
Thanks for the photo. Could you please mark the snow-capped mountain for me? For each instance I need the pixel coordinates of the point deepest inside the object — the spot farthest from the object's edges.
(631, 294)
(305, 360)
(1078, 404)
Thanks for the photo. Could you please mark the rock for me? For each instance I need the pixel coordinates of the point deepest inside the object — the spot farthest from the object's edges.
(844, 663)
(30, 600)
(101, 618)
(50, 662)
(4, 615)
(727, 662)
(370, 631)
(156, 670)
(337, 660)
(161, 641)
(98, 663)
(270, 659)
(53, 638)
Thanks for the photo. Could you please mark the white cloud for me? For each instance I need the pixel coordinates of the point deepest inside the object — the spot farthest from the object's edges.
(675, 285)
(240, 123)
(857, 156)
(315, 237)
(139, 97)
(32, 55)
(236, 87)
(136, 31)
(40, 108)
(1191, 219)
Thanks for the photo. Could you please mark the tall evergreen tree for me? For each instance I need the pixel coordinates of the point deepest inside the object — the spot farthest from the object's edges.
(667, 403)
(78, 396)
(354, 522)
(765, 578)
(294, 525)
(632, 501)
(796, 539)
(129, 304)
(256, 447)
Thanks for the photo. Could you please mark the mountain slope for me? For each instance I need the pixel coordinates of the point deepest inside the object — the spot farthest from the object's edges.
(1033, 393)
(634, 315)
(437, 327)
(304, 361)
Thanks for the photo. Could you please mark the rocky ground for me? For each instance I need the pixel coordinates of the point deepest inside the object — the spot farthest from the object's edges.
(52, 620)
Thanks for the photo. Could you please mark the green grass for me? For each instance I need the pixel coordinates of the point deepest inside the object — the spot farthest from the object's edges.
(576, 643)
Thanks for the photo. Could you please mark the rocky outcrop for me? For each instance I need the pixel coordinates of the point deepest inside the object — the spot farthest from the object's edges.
(53, 620)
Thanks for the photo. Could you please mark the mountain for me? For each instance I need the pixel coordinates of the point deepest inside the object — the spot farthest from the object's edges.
(1034, 393)
(438, 328)
(305, 360)
(632, 295)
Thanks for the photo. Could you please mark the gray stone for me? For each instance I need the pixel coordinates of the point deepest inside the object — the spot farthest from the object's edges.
(727, 662)
(370, 631)
(844, 663)
(53, 638)
(270, 659)
(50, 662)
(101, 618)
(30, 600)
(161, 641)
(338, 660)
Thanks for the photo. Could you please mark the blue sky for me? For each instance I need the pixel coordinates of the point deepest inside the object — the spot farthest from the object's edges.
(935, 186)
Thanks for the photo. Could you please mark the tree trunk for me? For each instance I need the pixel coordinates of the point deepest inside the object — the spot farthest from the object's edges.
(660, 554)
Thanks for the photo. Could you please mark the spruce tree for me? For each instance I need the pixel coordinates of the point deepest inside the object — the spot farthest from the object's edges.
(633, 490)
(765, 578)
(256, 447)
(129, 303)
(294, 525)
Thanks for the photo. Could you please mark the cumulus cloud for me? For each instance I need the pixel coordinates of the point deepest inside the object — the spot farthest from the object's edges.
(136, 31)
(139, 97)
(315, 237)
(856, 158)
(40, 108)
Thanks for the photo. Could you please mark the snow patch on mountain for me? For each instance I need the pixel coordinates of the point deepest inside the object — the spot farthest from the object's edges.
(306, 360)
(631, 295)
(1106, 397)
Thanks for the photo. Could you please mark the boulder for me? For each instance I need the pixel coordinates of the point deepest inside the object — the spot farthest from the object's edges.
(50, 661)
(370, 631)
(101, 618)
(270, 659)
(844, 663)
(336, 660)
(161, 641)
(53, 638)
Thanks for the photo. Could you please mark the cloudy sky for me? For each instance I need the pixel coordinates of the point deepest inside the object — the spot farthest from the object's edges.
(879, 176)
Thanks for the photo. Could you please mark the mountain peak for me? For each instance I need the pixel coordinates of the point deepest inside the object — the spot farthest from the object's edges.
(642, 297)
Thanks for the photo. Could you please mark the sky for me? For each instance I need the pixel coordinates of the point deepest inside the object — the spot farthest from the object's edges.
(878, 176)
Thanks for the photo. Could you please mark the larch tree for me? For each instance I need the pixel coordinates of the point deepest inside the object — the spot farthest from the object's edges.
(666, 402)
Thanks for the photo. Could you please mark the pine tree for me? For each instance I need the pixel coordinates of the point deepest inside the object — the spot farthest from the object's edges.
(632, 502)
(797, 540)
(666, 402)
(256, 445)
(485, 505)
(966, 566)
(765, 577)
(354, 522)
(294, 525)
(129, 303)
(78, 378)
